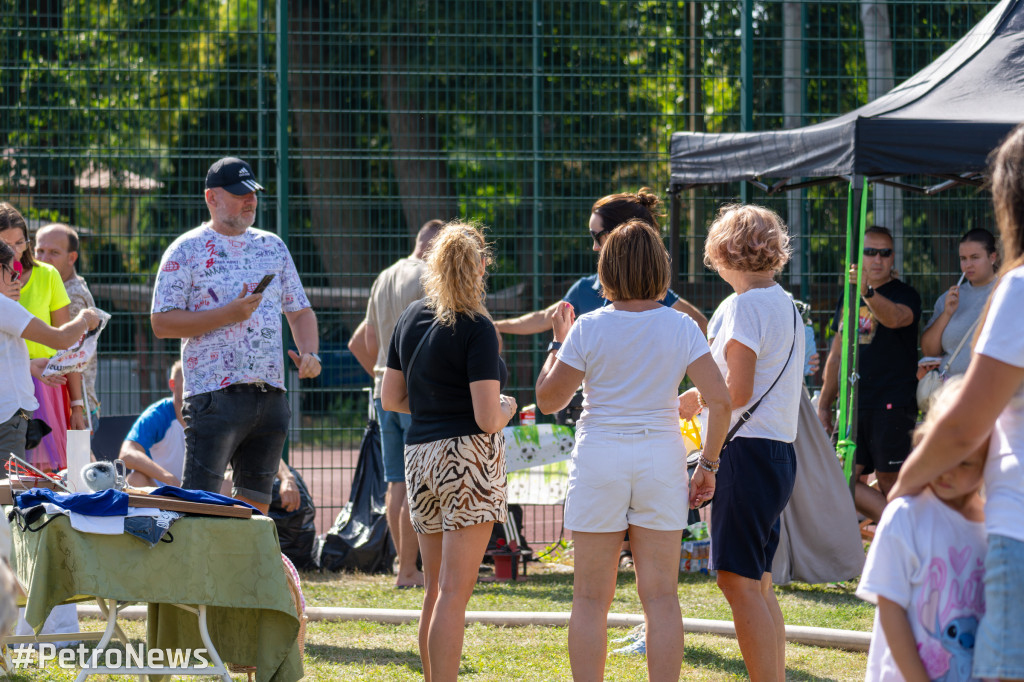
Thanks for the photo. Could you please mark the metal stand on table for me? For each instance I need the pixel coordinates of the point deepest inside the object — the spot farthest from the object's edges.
(218, 668)
(56, 637)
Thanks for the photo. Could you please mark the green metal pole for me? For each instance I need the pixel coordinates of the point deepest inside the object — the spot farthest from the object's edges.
(282, 120)
(262, 134)
(675, 212)
(746, 78)
(805, 253)
(282, 154)
(856, 221)
(538, 186)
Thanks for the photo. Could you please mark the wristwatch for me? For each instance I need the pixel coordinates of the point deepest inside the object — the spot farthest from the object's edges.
(315, 357)
(870, 292)
(554, 345)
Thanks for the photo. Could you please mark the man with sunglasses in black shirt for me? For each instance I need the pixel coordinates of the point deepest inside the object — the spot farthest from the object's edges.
(887, 402)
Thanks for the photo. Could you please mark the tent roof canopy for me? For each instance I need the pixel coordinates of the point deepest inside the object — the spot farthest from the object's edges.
(942, 122)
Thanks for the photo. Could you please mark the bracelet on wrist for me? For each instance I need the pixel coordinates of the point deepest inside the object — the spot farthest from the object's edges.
(78, 403)
(700, 400)
(708, 465)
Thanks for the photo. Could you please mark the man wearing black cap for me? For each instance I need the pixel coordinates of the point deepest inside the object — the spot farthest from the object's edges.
(234, 407)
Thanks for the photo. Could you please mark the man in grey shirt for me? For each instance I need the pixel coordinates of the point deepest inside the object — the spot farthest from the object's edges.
(394, 289)
(57, 244)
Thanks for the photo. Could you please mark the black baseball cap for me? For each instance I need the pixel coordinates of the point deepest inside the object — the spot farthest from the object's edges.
(232, 174)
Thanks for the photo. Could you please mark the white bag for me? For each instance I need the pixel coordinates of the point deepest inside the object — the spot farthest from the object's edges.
(75, 359)
(933, 380)
(927, 386)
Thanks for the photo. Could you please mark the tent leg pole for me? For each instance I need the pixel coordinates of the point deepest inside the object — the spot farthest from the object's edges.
(853, 291)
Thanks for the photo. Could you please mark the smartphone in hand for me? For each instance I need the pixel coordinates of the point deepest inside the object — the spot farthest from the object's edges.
(264, 283)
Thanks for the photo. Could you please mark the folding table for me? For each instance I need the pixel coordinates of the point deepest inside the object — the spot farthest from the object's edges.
(218, 585)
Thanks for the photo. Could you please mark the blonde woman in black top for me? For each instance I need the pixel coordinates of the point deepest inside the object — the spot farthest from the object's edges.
(443, 368)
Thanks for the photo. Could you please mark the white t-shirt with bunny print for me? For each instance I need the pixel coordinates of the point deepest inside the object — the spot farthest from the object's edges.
(930, 560)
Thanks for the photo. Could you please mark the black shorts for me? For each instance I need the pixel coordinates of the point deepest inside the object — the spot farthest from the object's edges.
(754, 485)
(883, 438)
(238, 425)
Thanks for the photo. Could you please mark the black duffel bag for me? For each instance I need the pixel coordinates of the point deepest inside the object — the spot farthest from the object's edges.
(360, 540)
(296, 529)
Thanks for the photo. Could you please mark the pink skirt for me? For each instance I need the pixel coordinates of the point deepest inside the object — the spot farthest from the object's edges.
(52, 452)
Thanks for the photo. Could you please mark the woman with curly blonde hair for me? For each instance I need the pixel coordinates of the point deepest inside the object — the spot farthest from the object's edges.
(443, 368)
(757, 341)
(454, 283)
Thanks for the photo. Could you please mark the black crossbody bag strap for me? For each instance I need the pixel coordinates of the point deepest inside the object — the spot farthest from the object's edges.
(416, 350)
(745, 417)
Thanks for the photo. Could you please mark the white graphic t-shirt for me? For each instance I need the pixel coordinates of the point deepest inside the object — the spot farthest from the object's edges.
(930, 560)
(203, 270)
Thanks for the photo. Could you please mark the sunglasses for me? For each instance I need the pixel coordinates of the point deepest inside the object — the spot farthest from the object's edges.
(870, 252)
(598, 235)
(15, 275)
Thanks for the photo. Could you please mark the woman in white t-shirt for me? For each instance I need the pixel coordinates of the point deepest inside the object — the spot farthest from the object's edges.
(17, 400)
(759, 347)
(992, 403)
(628, 469)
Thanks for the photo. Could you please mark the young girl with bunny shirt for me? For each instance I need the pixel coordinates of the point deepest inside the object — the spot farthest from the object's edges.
(925, 571)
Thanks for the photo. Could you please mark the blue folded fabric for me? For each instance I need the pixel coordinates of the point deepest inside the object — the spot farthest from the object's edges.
(201, 496)
(110, 502)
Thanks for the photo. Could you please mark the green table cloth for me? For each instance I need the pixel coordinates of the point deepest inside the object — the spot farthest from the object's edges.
(231, 565)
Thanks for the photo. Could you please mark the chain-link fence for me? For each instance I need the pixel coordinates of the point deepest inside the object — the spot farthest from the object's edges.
(365, 120)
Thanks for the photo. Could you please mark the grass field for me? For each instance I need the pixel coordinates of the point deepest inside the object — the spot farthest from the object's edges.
(372, 651)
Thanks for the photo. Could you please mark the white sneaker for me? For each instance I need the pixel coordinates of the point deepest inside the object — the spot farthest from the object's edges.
(638, 647)
(636, 633)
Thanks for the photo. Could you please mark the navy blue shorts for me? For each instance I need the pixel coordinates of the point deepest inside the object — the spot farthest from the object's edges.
(754, 484)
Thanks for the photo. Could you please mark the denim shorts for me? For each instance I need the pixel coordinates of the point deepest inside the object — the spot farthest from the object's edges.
(755, 482)
(237, 425)
(617, 480)
(999, 647)
(393, 426)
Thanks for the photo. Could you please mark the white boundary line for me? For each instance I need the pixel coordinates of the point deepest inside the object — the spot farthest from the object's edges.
(849, 640)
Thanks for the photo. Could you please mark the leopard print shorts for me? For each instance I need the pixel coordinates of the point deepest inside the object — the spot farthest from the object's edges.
(454, 483)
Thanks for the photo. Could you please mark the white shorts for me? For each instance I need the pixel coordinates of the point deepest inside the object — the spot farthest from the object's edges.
(617, 480)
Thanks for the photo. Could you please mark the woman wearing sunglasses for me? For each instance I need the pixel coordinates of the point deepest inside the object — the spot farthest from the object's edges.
(585, 295)
(17, 325)
(43, 295)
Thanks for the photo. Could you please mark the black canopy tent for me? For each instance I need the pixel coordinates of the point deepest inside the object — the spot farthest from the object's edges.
(940, 124)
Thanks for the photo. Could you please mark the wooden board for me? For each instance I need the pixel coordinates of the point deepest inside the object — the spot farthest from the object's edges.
(159, 502)
(187, 507)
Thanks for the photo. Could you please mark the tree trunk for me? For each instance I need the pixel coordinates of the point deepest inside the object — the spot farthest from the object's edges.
(417, 160)
(888, 201)
(333, 184)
